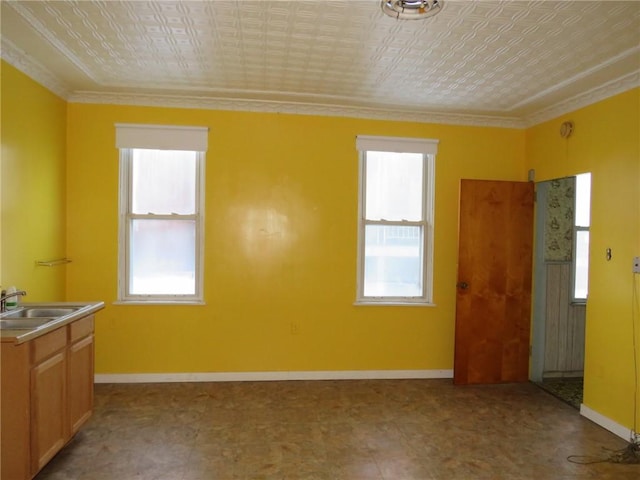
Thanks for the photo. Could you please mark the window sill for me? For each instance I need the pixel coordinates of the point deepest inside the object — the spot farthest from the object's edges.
(367, 303)
(158, 302)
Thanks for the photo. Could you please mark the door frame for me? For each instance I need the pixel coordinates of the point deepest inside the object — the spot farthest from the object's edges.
(538, 307)
(539, 294)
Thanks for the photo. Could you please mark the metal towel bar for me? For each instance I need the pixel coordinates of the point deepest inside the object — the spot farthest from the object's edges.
(53, 263)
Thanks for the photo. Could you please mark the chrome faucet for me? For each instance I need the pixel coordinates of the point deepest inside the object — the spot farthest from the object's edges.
(4, 296)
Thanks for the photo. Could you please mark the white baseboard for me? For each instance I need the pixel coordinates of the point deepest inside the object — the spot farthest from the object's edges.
(605, 422)
(270, 376)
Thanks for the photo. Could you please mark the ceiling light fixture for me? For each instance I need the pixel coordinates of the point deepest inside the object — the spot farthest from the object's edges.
(412, 9)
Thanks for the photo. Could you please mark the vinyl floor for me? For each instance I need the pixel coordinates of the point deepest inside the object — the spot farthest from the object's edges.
(568, 390)
(368, 430)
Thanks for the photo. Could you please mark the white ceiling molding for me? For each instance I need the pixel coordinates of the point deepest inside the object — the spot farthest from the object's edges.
(20, 60)
(628, 57)
(23, 62)
(27, 65)
(41, 30)
(598, 94)
(208, 103)
(502, 63)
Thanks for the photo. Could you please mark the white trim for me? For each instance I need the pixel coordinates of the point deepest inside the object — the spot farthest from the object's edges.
(606, 423)
(33, 69)
(629, 55)
(162, 137)
(609, 89)
(202, 102)
(40, 74)
(429, 192)
(51, 38)
(365, 302)
(270, 376)
(365, 144)
(361, 227)
(124, 227)
(511, 120)
(158, 302)
(426, 146)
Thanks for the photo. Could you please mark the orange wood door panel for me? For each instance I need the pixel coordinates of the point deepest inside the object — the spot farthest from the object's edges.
(493, 303)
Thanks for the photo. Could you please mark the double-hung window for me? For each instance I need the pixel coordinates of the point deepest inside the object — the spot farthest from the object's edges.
(161, 217)
(395, 234)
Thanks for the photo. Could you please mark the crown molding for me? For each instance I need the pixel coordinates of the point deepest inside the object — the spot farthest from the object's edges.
(39, 73)
(629, 56)
(609, 89)
(30, 67)
(299, 108)
(18, 58)
(49, 38)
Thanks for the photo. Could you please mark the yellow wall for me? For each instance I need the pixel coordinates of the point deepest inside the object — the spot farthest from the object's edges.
(606, 142)
(281, 225)
(281, 206)
(33, 224)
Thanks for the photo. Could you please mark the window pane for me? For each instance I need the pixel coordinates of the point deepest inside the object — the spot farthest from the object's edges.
(582, 264)
(393, 261)
(583, 199)
(162, 257)
(163, 182)
(393, 186)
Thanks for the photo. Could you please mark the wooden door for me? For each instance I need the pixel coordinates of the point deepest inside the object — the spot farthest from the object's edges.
(493, 303)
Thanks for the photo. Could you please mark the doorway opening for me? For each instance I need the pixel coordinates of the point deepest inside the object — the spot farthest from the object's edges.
(561, 286)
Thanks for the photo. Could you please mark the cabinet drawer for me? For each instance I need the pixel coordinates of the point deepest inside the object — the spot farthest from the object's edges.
(81, 328)
(47, 344)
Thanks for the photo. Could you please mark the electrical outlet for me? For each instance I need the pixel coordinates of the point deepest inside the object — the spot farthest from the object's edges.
(636, 264)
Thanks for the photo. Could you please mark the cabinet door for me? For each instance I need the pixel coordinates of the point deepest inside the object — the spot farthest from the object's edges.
(80, 383)
(48, 409)
(15, 410)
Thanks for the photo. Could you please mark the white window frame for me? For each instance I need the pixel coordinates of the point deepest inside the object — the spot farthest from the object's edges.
(158, 137)
(576, 229)
(428, 148)
(574, 266)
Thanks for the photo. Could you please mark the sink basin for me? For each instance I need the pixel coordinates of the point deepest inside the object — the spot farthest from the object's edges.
(33, 312)
(30, 320)
(23, 323)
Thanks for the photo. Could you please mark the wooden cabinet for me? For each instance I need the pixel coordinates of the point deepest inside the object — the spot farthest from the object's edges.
(15, 387)
(48, 433)
(80, 373)
(46, 394)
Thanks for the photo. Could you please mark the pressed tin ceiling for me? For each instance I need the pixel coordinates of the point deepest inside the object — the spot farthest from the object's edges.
(505, 63)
